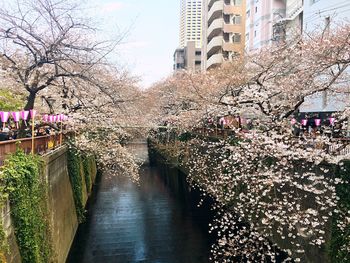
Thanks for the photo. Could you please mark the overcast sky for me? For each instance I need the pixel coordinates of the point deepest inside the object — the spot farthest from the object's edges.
(152, 37)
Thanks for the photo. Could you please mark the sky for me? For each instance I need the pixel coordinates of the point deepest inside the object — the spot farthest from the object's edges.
(152, 34)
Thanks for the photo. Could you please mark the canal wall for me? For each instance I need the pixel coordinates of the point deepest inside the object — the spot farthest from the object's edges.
(61, 202)
(174, 155)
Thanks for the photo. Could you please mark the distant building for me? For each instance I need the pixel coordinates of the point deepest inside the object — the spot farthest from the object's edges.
(325, 15)
(223, 31)
(187, 56)
(259, 26)
(191, 22)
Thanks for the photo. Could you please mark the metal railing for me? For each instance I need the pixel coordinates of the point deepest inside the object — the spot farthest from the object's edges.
(42, 144)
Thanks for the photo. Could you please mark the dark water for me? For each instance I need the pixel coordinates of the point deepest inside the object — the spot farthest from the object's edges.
(156, 222)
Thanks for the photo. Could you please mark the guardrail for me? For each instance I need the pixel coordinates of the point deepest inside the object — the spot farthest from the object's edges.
(42, 144)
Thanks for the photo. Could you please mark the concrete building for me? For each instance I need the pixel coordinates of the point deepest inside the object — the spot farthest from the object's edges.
(290, 25)
(323, 15)
(261, 23)
(223, 31)
(191, 22)
(187, 58)
(188, 55)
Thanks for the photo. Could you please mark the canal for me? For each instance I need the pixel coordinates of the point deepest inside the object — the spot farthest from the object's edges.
(157, 221)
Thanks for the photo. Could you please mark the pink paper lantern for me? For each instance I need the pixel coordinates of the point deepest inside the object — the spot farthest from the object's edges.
(32, 113)
(54, 118)
(58, 117)
(331, 120)
(62, 116)
(304, 122)
(222, 121)
(4, 116)
(45, 117)
(50, 118)
(293, 121)
(65, 117)
(16, 116)
(318, 122)
(24, 115)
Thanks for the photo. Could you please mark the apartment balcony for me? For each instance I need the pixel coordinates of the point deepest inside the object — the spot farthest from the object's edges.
(233, 47)
(229, 28)
(215, 28)
(231, 10)
(294, 8)
(215, 60)
(215, 45)
(215, 11)
(212, 2)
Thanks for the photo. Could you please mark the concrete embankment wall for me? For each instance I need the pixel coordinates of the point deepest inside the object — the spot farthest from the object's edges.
(62, 211)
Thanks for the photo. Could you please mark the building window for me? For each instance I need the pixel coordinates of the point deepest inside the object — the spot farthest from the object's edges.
(248, 13)
(254, 33)
(236, 19)
(247, 36)
(236, 38)
(237, 2)
(256, 9)
(314, 1)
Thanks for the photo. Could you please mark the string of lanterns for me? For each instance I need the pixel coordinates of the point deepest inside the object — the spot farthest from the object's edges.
(304, 122)
(24, 115)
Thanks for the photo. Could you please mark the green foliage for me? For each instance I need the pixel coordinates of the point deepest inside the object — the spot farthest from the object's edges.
(340, 240)
(86, 160)
(186, 136)
(27, 193)
(3, 243)
(10, 101)
(76, 182)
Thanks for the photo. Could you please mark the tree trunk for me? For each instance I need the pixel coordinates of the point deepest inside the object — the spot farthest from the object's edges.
(30, 101)
(29, 105)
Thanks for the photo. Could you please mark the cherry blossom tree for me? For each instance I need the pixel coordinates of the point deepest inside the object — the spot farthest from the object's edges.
(49, 50)
(283, 185)
(45, 43)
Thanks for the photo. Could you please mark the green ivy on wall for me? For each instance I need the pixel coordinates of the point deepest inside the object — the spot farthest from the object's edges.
(87, 169)
(76, 182)
(4, 248)
(22, 178)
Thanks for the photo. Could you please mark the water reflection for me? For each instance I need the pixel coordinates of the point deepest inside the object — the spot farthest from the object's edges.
(146, 223)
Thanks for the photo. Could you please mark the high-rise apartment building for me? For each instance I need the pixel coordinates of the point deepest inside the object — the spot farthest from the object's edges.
(188, 55)
(191, 22)
(223, 31)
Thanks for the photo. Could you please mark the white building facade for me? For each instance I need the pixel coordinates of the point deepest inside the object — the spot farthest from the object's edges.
(191, 22)
(320, 16)
(261, 16)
